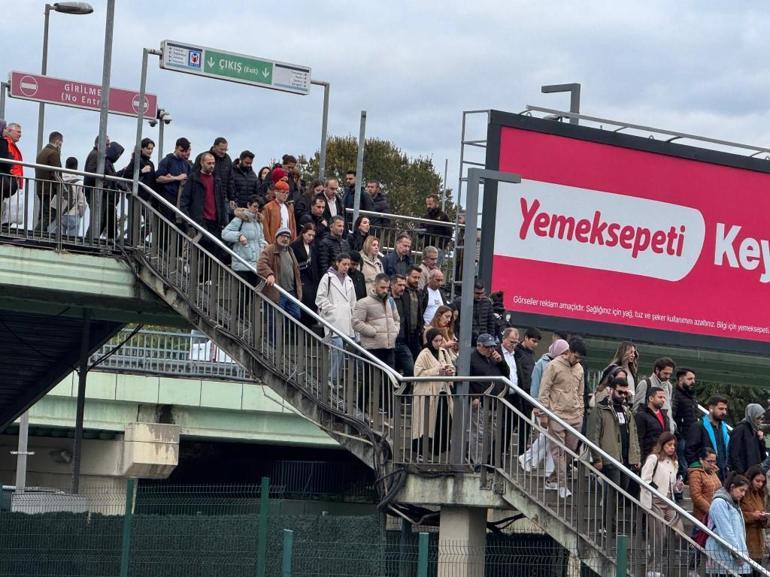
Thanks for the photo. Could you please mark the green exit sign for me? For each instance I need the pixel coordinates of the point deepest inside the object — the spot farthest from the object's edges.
(216, 63)
(241, 68)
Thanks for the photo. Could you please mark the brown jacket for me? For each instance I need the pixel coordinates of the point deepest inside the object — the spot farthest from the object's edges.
(755, 502)
(703, 485)
(271, 221)
(269, 264)
(561, 389)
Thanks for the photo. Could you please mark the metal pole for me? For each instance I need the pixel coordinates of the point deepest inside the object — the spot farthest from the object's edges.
(22, 453)
(324, 127)
(264, 506)
(422, 556)
(139, 119)
(574, 100)
(3, 89)
(359, 166)
(160, 139)
(621, 556)
(43, 71)
(288, 549)
(96, 209)
(443, 192)
(85, 339)
(128, 515)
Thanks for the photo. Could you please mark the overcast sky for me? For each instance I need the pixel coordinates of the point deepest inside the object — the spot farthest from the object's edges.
(692, 66)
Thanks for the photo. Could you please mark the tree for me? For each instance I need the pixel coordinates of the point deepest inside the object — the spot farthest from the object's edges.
(406, 181)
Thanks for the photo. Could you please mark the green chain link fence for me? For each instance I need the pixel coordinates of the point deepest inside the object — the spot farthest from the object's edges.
(240, 531)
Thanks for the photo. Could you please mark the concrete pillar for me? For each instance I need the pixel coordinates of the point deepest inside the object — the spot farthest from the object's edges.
(462, 541)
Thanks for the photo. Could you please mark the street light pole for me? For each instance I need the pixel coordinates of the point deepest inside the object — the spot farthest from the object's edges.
(324, 128)
(77, 8)
(574, 99)
(96, 208)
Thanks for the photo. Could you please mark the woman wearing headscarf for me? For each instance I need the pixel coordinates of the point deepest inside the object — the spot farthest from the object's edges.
(747, 445)
(435, 397)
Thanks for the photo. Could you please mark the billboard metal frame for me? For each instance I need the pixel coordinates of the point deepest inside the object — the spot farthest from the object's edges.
(499, 120)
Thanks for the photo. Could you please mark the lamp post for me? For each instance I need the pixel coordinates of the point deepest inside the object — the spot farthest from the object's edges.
(76, 8)
(164, 117)
(574, 96)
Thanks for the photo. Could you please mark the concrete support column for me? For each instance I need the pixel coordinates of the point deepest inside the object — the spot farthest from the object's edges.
(462, 541)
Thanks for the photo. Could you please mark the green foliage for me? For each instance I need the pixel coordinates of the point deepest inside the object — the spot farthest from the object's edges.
(738, 397)
(406, 181)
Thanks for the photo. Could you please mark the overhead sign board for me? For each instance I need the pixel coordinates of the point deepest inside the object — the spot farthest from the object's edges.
(223, 65)
(623, 236)
(76, 94)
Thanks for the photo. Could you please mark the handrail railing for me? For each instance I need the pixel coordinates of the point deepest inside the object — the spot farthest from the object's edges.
(503, 457)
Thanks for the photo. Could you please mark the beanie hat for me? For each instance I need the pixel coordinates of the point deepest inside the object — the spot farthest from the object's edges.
(281, 185)
(278, 174)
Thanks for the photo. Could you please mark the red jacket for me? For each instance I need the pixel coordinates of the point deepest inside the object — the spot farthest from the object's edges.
(17, 170)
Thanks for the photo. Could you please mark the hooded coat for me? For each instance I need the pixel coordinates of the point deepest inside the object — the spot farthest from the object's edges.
(745, 448)
(726, 520)
(245, 223)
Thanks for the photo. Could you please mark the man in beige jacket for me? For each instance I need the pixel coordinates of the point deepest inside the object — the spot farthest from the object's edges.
(376, 320)
(561, 391)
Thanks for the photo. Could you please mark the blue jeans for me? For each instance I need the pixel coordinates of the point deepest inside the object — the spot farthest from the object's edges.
(290, 306)
(680, 446)
(336, 360)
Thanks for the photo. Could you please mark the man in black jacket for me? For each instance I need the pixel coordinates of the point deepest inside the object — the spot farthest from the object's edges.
(651, 420)
(203, 200)
(223, 166)
(436, 234)
(413, 311)
(747, 445)
(332, 245)
(710, 431)
(483, 316)
(685, 412)
(245, 181)
(404, 357)
(486, 361)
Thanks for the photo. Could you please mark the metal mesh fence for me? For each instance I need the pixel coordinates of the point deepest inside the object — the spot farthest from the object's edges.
(216, 531)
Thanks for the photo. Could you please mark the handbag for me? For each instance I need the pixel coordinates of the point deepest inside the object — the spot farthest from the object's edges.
(653, 484)
(699, 535)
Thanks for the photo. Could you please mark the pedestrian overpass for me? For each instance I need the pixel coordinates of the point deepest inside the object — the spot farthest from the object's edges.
(152, 272)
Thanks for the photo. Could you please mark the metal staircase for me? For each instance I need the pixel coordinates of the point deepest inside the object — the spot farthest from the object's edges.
(365, 405)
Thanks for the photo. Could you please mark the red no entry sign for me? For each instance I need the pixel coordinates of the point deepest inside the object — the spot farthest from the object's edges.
(77, 94)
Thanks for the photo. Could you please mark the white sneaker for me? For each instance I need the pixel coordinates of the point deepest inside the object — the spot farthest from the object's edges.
(551, 486)
(654, 574)
(525, 463)
(564, 492)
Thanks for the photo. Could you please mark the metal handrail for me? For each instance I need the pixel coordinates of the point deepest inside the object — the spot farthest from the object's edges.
(509, 385)
(623, 125)
(221, 246)
(391, 216)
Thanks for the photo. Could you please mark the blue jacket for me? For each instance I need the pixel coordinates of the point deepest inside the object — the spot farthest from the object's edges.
(726, 520)
(537, 375)
(247, 225)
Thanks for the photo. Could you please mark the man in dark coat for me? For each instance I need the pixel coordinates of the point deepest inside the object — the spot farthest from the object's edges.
(46, 187)
(332, 245)
(685, 412)
(486, 361)
(245, 181)
(203, 200)
(223, 166)
(710, 431)
(651, 420)
(747, 445)
(483, 313)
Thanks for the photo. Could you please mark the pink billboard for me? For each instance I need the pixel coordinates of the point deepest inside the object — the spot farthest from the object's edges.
(619, 235)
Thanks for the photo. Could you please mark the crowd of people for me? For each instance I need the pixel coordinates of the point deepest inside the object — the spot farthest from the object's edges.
(298, 236)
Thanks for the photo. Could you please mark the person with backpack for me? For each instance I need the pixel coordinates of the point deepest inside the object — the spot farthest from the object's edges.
(660, 377)
(244, 232)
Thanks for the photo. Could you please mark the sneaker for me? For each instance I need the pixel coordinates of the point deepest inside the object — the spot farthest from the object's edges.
(654, 574)
(551, 486)
(564, 492)
(525, 464)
